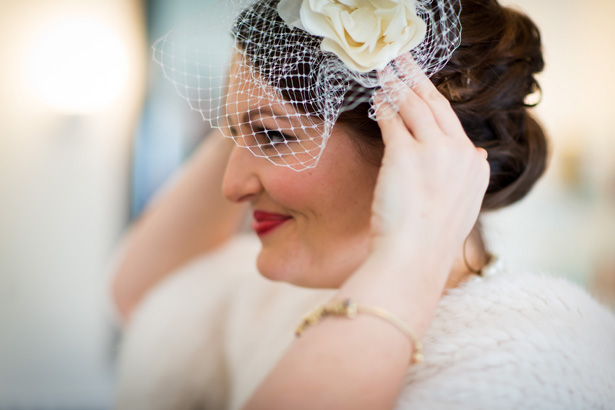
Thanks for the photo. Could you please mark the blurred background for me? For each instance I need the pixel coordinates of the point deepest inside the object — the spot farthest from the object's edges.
(89, 130)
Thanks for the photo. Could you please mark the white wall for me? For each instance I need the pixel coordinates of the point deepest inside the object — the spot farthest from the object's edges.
(64, 185)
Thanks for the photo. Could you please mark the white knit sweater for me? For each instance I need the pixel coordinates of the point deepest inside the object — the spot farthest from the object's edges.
(207, 336)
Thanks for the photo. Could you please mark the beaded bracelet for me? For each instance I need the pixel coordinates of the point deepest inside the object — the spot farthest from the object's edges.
(350, 309)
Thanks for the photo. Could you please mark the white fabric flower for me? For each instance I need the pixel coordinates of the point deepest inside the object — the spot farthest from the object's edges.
(365, 34)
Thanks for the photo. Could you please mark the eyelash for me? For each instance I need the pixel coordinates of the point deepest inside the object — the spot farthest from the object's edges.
(271, 134)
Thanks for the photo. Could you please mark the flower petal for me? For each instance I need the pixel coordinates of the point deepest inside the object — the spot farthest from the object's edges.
(365, 34)
(361, 26)
(290, 12)
(333, 47)
(315, 21)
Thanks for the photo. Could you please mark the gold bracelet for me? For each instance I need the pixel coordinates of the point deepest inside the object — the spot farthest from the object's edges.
(350, 309)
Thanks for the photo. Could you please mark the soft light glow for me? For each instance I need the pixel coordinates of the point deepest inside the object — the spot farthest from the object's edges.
(77, 65)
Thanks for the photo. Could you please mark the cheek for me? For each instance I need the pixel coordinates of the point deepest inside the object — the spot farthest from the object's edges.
(332, 207)
(349, 192)
(307, 193)
(332, 200)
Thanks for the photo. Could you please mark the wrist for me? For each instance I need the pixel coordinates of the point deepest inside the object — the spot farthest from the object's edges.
(408, 286)
(402, 255)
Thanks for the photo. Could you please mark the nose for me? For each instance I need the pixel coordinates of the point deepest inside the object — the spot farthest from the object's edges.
(241, 179)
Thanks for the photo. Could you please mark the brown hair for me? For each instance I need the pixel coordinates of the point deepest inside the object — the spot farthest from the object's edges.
(487, 82)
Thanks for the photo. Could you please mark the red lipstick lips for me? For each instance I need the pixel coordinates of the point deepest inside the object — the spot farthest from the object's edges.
(265, 222)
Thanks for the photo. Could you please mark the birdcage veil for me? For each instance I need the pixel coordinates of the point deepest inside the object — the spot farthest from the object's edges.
(275, 75)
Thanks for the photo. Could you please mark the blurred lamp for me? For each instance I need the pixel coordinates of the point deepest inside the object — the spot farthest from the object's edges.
(77, 65)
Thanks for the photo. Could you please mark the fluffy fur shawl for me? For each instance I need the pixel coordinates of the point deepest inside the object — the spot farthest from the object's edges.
(209, 334)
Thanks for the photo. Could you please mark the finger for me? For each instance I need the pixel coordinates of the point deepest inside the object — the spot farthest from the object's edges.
(483, 152)
(392, 127)
(415, 113)
(427, 91)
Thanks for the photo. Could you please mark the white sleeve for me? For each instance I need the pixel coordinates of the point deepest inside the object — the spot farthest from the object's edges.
(172, 355)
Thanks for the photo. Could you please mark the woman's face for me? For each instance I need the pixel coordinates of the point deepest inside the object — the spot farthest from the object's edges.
(314, 224)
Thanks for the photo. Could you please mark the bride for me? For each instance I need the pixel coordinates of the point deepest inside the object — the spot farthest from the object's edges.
(366, 211)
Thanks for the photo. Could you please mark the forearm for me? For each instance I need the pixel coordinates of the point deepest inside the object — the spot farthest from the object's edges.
(190, 218)
(358, 363)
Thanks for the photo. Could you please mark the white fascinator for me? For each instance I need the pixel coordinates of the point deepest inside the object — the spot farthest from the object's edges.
(275, 75)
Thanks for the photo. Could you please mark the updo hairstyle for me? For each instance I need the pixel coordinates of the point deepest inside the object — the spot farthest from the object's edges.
(487, 82)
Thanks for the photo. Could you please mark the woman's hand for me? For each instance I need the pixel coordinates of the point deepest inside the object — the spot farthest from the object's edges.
(433, 179)
(427, 198)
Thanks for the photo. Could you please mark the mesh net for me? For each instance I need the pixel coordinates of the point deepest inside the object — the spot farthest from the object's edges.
(276, 90)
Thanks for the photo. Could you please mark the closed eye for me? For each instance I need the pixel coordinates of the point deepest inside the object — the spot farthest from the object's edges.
(266, 136)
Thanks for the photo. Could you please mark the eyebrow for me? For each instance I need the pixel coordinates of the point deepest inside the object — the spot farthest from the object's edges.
(247, 117)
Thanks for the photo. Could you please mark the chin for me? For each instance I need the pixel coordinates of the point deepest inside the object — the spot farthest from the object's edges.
(285, 270)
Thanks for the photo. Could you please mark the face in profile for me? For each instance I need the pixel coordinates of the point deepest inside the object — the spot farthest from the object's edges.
(314, 224)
